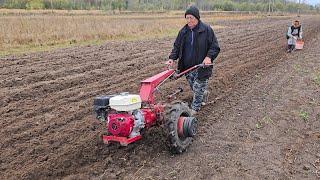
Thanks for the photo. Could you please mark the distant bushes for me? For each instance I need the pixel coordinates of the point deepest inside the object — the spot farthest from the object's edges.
(223, 5)
(228, 5)
(35, 4)
(14, 4)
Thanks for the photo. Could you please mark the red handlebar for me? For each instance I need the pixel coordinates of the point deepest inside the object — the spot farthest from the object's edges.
(176, 76)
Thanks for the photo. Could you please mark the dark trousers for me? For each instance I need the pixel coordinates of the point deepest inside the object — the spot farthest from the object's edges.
(291, 47)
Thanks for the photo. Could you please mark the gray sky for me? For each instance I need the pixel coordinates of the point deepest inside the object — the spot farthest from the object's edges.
(313, 2)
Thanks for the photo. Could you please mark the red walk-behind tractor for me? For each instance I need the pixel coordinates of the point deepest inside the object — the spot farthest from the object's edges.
(128, 115)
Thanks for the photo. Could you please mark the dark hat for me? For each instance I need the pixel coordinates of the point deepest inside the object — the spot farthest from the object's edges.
(193, 11)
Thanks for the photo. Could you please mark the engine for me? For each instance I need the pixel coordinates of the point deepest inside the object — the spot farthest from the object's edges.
(122, 112)
(120, 124)
(125, 124)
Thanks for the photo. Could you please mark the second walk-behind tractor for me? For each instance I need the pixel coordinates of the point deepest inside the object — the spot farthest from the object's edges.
(127, 116)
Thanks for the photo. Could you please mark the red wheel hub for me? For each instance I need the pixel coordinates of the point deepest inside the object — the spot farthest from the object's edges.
(187, 126)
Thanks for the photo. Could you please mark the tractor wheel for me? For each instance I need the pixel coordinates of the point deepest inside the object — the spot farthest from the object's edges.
(181, 127)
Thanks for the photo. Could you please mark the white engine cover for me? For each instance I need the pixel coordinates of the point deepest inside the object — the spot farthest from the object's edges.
(125, 102)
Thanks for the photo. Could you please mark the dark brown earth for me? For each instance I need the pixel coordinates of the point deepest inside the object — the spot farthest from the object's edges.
(263, 120)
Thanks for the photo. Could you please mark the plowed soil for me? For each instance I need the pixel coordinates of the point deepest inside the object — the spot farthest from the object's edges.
(262, 122)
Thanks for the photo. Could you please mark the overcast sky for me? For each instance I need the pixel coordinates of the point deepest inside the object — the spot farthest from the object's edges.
(313, 2)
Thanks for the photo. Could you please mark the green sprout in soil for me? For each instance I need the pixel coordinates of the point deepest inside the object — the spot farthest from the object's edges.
(304, 115)
(258, 125)
(316, 79)
(267, 120)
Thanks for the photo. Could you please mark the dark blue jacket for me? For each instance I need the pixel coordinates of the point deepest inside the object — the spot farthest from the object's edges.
(206, 46)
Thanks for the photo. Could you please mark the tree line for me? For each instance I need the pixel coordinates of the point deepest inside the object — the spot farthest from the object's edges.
(156, 5)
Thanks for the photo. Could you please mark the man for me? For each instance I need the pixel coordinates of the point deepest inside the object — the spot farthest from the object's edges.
(195, 44)
(294, 33)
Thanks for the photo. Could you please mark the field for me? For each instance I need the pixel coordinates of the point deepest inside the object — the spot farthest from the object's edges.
(262, 121)
(37, 30)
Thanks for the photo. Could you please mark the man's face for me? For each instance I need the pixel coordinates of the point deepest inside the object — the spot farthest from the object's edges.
(296, 24)
(191, 20)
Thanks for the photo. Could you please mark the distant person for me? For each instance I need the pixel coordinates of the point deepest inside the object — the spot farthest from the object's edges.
(294, 33)
(195, 44)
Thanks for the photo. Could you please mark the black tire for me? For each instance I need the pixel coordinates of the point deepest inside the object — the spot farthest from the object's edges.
(177, 144)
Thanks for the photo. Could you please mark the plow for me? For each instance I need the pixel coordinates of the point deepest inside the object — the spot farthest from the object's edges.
(127, 116)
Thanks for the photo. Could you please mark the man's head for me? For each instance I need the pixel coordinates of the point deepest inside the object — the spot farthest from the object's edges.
(296, 23)
(192, 16)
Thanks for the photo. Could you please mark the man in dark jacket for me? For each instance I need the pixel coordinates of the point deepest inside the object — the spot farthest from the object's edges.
(195, 44)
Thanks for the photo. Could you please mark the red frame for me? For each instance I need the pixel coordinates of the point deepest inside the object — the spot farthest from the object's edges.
(149, 85)
(124, 141)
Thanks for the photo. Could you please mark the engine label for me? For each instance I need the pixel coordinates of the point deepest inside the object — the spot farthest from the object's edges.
(134, 100)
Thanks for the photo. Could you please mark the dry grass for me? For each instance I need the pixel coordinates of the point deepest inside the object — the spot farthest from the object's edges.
(22, 30)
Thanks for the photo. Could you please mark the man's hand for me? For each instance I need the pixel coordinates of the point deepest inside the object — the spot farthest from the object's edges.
(170, 62)
(207, 60)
